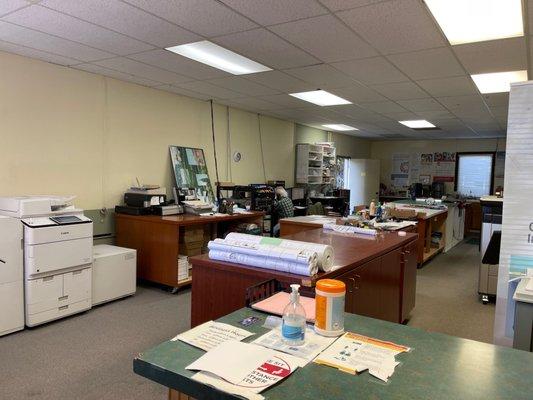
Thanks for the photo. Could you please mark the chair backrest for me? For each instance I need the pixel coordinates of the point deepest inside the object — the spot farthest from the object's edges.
(262, 291)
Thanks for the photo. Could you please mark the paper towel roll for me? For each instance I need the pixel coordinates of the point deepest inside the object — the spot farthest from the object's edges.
(324, 252)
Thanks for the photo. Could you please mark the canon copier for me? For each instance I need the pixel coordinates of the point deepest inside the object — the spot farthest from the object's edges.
(57, 244)
(491, 233)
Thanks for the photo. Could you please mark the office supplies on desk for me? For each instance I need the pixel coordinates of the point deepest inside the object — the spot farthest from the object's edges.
(275, 304)
(349, 229)
(197, 207)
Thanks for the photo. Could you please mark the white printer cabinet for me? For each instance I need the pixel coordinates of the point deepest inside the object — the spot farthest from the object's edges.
(114, 273)
(57, 264)
(11, 276)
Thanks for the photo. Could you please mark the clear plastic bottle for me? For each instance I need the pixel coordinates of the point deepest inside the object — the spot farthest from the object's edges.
(294, 320)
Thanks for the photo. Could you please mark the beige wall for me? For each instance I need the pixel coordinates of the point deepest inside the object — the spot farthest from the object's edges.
(383, 150)
(351, 146)
(70, 132)
(307, 134)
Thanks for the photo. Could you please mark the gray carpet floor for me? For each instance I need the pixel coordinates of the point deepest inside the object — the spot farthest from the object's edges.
(89, 356)
(447, 300)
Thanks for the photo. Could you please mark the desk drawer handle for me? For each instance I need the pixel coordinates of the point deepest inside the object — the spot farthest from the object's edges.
(350, 288)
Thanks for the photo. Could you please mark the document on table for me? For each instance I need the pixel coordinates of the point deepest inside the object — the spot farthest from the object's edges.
(354, 353)
(313, 346)
(246, 366)
(210, 334)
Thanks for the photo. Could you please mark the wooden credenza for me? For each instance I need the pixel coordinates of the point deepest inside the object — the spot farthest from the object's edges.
(157, 239)
(379, 273)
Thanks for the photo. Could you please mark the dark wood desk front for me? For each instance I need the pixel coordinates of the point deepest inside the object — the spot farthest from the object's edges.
(379, 273)
(156, 239)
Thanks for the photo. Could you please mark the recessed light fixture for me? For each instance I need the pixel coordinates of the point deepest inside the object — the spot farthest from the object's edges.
(418, 124)
(321, 98)
(340, 127)
(218, 57)
(498, 82)
(468, 21)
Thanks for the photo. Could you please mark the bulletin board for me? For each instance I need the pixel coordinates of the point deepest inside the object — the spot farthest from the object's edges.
(190, 170)
(422, 168)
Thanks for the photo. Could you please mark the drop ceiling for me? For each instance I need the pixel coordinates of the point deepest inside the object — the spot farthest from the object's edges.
(388, 57)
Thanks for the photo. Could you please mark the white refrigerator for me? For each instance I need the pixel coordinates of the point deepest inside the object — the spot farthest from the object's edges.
(363, 181)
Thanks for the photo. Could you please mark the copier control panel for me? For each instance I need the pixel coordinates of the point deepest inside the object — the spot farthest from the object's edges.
(40, 222)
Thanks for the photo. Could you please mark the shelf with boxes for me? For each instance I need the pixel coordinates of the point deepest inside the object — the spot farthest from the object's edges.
(314, 163)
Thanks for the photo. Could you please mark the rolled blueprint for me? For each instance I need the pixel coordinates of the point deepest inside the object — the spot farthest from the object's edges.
(264, 262)
(349, 229)
(301, 256)
(323, 251)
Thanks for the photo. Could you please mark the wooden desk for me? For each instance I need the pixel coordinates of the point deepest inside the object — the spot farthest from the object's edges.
(156, 240)
(440, 367)
(379, 273)
(290, 226)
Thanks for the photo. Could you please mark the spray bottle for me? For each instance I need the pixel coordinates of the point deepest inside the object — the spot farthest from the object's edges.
(294, 320)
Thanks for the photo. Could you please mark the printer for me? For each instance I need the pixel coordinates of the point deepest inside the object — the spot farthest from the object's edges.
(57, 255)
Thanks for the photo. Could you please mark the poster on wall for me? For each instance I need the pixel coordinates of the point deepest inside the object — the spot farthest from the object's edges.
(400, 163)
(190, 171)
(444, 165)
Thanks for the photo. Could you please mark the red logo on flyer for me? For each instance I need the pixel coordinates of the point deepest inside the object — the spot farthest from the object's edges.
(275, 370)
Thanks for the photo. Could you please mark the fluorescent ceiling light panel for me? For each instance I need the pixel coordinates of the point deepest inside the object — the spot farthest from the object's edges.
(468, 21)
(498, 82)
(321, 98)
(418, 124)
(218, 57)
(340, 127)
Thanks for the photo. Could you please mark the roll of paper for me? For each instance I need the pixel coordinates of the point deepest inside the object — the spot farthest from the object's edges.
(263, 262)
(349, 229)
(323, 251)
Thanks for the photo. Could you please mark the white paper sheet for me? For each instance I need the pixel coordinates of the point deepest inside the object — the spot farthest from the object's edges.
(211, 334)
(349, 229)
(313, 346)
(355, 353)
(244, 364)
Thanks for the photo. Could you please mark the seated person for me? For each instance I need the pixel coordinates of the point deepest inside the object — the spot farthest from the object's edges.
(283, 207)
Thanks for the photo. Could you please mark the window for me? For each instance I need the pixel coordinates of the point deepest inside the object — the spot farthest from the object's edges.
(473, 174)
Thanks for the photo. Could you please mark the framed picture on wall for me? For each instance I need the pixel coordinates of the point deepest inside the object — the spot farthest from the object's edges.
(190, 171)
(425, 179)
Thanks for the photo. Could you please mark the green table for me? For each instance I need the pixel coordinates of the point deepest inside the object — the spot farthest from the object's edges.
(439, 367)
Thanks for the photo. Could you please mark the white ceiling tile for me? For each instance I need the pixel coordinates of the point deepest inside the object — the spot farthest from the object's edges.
(96, 69)
(384, 107)
(284, 101)
(500, 112)
(67, 27)
(395, 26)
(421, 105)
(376, 70)
(456, 86)
(183, 92)
(176, 63)
(435, 115)
(493, 56)
(496, 99)
(400, 91)
(491, 134)
(357, 113)
(7, 6)
(208, 89)
(42, 41)
(126, 19)
(400, 116)
(339, 5)
(204, 17)
(270, 12)
(358, 93)
(241, 85)
(280, 81)
(322, 76)
(254, 103)
(263, 46)
(142, 70)
(325, 38)
(463, 104)
(428, 64)
(38, 54)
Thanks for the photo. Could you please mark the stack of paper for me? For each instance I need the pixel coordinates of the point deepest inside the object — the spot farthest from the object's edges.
(183, 267)
(355, 353)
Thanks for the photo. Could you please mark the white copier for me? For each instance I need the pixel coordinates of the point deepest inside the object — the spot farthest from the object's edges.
(11, 276)
(58, 241)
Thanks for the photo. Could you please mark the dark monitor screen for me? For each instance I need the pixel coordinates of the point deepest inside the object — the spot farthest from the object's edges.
(67, 219)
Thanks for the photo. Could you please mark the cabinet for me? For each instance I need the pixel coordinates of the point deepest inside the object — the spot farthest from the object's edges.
(385, 287)
(314, 163)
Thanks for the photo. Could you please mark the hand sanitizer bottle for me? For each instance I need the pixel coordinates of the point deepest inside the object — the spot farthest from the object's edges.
(294, 320)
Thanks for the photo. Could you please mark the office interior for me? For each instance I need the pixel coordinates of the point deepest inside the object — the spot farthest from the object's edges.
(136, 136)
